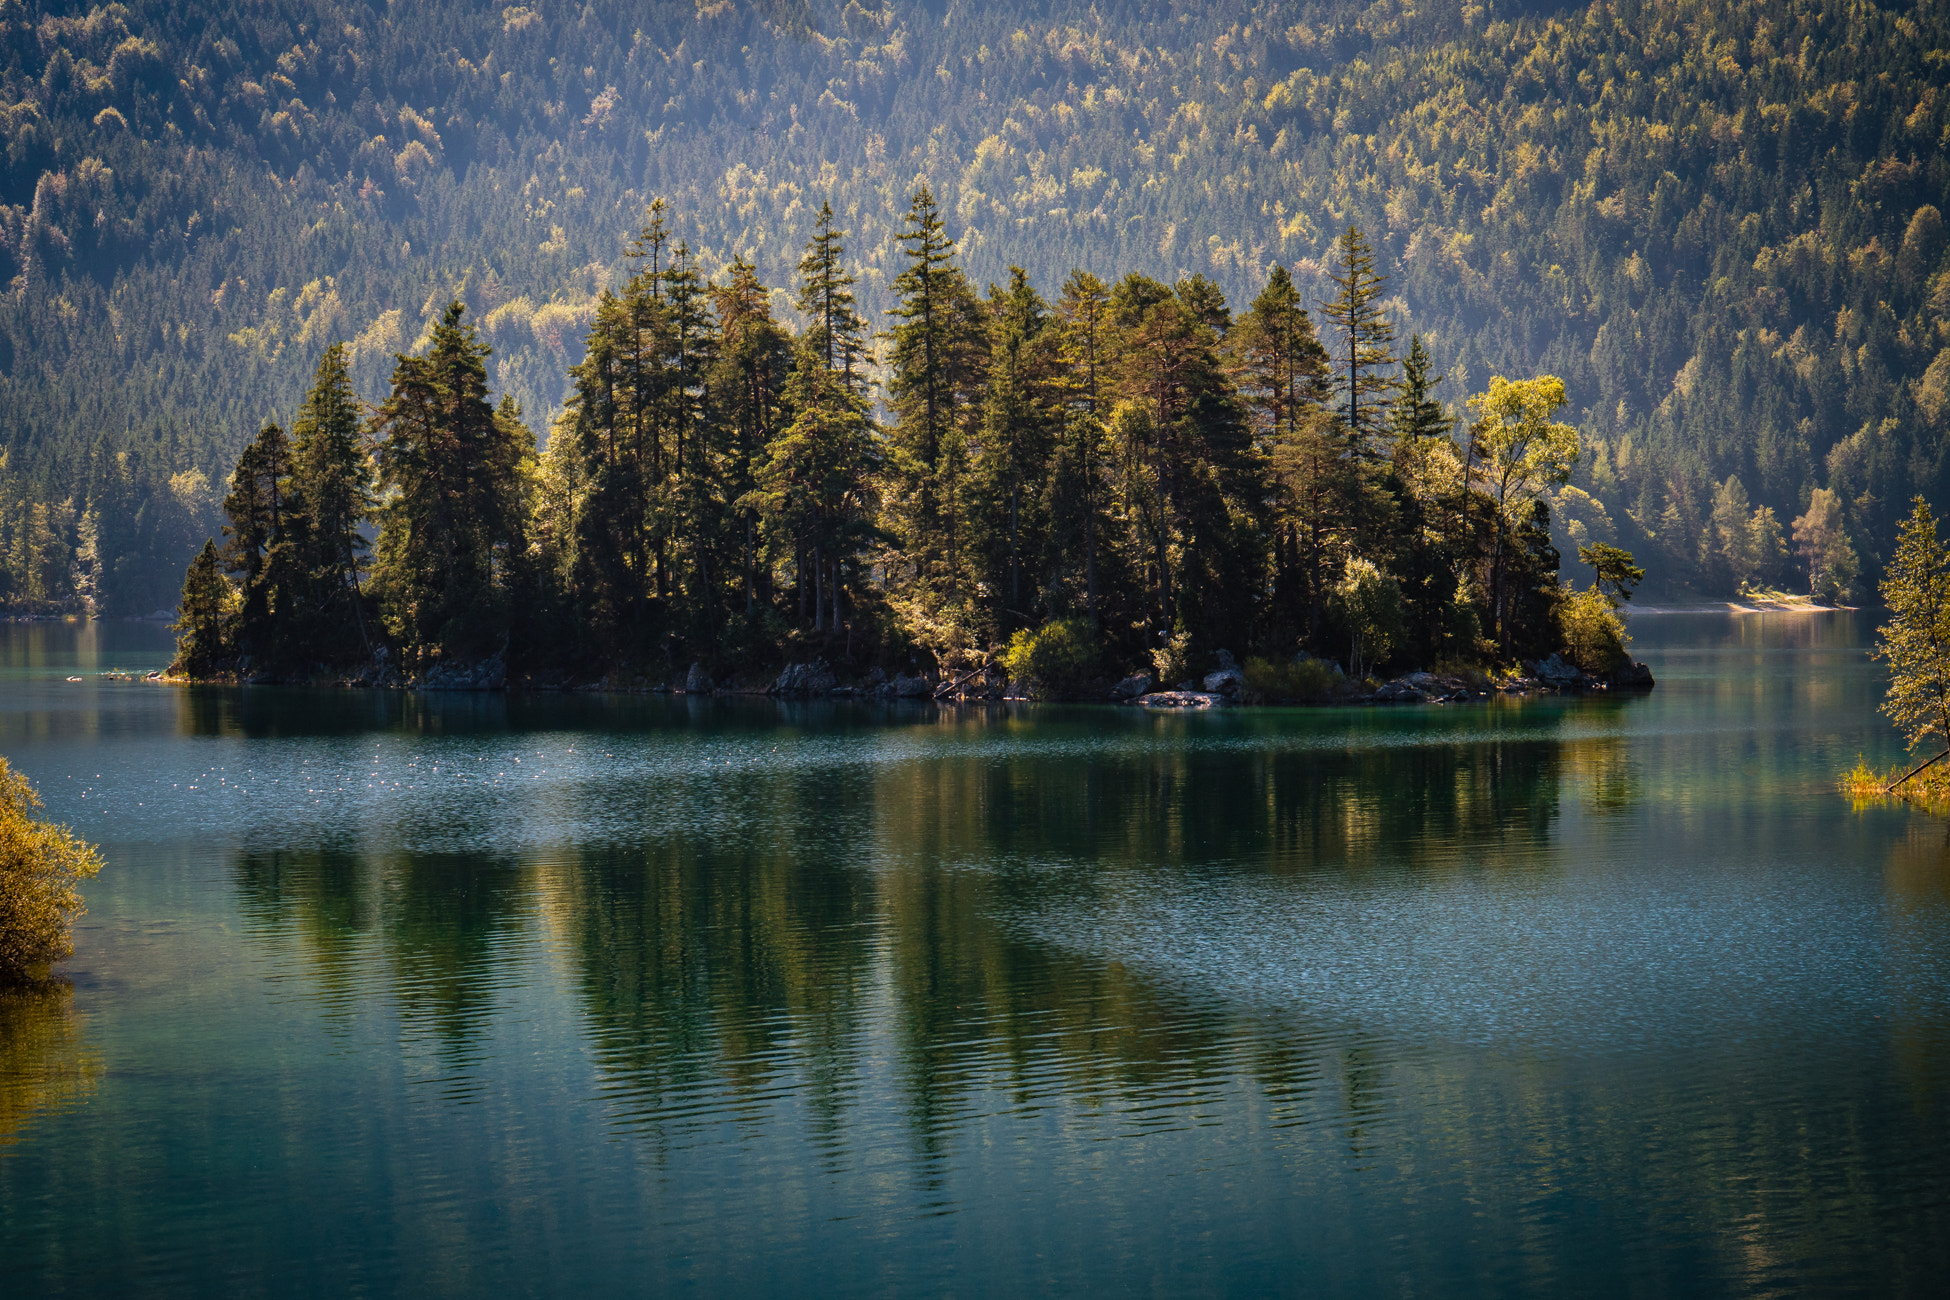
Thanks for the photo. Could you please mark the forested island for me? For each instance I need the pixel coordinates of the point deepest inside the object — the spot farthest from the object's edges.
(1062, 490)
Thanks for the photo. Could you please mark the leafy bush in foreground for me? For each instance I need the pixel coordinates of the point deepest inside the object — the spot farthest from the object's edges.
(40, 865)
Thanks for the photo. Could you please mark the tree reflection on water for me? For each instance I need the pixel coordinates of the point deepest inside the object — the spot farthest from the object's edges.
(45, 1060)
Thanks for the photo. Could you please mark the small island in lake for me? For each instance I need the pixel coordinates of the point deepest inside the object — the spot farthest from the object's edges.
(1091, 496)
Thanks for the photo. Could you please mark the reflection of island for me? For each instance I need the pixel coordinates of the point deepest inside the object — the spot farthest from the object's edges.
(806, 959)
(423, 928)
(44, 1060)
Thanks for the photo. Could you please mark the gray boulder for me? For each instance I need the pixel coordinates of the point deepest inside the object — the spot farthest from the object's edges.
(1131, 687)
(1632, 677)
(697, 681)
(490, 674)
(1227, 681)
(1557, 673)
(815, 678)
(912, 688)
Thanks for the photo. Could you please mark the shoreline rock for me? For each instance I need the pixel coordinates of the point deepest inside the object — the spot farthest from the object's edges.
(1181, 700)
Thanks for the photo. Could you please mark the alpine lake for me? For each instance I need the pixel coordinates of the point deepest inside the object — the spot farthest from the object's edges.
(427, 994)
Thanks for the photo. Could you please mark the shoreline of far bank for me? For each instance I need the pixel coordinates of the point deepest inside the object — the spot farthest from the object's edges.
(1749, 605)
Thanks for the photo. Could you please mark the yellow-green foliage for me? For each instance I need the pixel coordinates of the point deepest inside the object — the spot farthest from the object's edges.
(1278, 679)
(1172, 661)
(1594, 637)
(1057, 656)
(1864, 784)
(45, 1060)
(40, 866)
(1916, 639)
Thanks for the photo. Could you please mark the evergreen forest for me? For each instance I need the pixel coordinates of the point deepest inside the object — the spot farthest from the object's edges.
(1126, 474)
(1704, 240)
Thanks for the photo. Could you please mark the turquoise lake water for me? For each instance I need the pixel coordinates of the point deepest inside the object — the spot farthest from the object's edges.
(385, 994)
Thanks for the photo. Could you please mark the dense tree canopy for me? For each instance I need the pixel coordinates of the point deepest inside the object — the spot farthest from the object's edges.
(1127, 476)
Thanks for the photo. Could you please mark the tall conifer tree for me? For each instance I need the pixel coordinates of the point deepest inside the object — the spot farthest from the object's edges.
(332, 488)
(455, 473)
(1364, 350)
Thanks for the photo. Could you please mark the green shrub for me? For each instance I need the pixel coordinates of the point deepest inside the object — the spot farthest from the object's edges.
(1172, 662)
(1367, 603)
(40, 864)
(1594, 638)
(1278, 679)
(1058, 656)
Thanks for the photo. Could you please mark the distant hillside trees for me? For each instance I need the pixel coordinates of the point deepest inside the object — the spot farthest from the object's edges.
(1720, 222)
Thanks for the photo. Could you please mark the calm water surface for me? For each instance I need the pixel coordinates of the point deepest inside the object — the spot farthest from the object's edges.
(386, 994)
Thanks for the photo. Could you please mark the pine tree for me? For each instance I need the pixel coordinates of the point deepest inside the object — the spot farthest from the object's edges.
(454, 471)
(1364, 349)
(937, 359)
(748, 381)
(200, 641)
(814, 484)
(261, 549)
(332, 491)
(1416, 414)
(1018, 436)
(837, 332)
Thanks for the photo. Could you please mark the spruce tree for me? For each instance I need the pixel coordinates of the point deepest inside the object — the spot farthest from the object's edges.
(1018, 435)
(1078, 491)
(814, 485)
(453, 525)
(837, 332)
(200, 640)
(937, 358)
(332, 490)
(747, 386)
(1416, 414)
(261, 549)
(603, 457)
(1277, 360)
(1364, 350)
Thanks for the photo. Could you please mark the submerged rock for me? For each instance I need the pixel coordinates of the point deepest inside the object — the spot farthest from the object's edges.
(1423, 688)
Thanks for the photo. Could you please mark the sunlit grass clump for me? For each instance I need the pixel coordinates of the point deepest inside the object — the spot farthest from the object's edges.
(1866, 784)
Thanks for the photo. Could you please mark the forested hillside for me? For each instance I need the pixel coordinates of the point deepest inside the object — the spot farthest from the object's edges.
(1720, 223)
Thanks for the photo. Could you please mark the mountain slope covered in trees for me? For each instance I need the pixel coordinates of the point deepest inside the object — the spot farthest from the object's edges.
(1720, 223)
